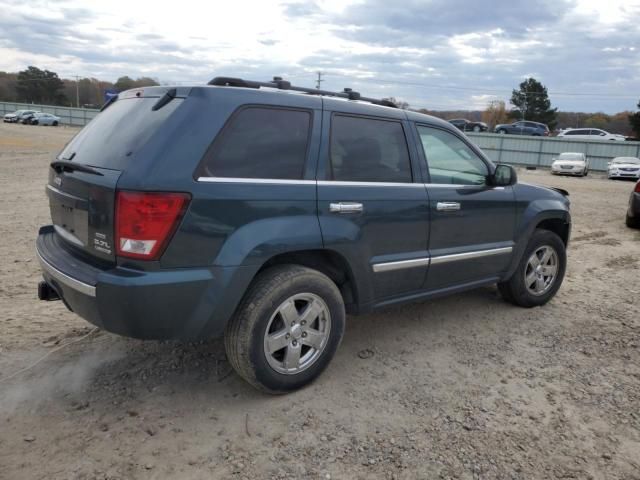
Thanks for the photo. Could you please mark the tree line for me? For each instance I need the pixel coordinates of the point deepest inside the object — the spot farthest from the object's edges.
(45, 87)
(530, 101)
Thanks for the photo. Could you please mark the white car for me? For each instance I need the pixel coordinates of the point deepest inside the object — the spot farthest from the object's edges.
(589, 134)
(40, 118)
(624, 167)
(570, 163)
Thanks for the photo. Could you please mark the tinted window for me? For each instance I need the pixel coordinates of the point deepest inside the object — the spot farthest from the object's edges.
(111, 138)
(261, 142)
(450, 160)
(366, 150)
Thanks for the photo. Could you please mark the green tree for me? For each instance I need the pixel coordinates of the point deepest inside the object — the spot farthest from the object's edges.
(531, 102)
(126, 83)
(634, 121)
(40, 86)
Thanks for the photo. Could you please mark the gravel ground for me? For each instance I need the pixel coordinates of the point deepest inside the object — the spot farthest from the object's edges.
(462, 387)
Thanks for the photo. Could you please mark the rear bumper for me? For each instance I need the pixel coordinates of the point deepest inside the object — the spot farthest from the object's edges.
(164, 304)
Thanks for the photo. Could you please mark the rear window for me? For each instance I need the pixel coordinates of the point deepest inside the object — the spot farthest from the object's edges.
(260, 142)
(110, 139)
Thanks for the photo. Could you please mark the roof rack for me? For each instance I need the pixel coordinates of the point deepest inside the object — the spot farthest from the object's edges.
(281, 84)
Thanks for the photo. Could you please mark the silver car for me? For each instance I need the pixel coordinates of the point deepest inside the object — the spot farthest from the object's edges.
(40, 118)
(16, 116)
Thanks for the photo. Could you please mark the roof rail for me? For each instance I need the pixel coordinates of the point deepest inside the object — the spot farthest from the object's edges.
(281, 84)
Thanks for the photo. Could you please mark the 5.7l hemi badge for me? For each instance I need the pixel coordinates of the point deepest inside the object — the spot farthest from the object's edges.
(101, 244)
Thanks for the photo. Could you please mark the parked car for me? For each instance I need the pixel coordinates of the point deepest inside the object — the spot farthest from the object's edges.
(590, 134)
(633, 212)
(40, 118)
(469, 126)
(16, 116)
(570, 163)
(524, 128)
(26, 118)
(624, 167)
(241, 229)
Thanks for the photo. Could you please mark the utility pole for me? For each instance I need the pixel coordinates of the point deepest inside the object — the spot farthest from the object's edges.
(319, 80)
(77, 91)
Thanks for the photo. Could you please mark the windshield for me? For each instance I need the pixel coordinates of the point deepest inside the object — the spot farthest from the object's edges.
(570, 156)
(633, 160)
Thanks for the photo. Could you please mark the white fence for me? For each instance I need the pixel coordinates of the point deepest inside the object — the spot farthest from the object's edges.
(540, 151)
(68, 115)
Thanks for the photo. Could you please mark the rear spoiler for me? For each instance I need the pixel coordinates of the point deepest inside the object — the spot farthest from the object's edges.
(166, 94)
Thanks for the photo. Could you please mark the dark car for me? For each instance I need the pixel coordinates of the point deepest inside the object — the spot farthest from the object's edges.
(469, 126)
(266, 214)
(26, 118)
(524, 128)
(633, 212)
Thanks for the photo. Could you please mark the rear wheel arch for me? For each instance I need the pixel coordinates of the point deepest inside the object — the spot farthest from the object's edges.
(328, 262)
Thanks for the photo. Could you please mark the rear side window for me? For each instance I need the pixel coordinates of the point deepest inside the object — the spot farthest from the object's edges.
(368, 150)
(260, 142)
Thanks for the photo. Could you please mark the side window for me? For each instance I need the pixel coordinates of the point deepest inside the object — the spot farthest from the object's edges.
(450, 160)
(260, 142)
(367, 150)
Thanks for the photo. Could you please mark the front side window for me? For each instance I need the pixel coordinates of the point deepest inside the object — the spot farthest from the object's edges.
(368, 150)
(450, 160)
(260, 142)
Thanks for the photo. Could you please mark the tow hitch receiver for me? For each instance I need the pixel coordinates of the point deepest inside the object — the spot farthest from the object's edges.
(47, 292)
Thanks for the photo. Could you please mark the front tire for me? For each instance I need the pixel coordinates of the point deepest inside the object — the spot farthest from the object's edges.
(477, 128)
(632, 222)
(286, 329)
(539, 273)
(502, 132)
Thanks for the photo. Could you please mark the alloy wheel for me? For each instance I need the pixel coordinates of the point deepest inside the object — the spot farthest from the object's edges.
(297, 333)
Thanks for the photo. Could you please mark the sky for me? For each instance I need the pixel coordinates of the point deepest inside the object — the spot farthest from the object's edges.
(437, 54)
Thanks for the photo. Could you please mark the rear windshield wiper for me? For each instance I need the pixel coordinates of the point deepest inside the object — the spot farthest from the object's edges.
(66, 166)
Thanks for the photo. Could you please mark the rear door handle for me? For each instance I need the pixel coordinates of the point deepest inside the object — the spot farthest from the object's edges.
(345, 207)
(447, 206)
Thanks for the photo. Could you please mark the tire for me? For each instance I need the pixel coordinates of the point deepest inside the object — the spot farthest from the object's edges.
(55, 124)
(586, 172)
(502, 132)
(477, 128)
(259, 316)
(515, 290)
(632, 222)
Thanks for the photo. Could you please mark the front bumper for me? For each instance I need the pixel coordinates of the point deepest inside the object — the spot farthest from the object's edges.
(163, 304)
(623, 174)
(567, 171)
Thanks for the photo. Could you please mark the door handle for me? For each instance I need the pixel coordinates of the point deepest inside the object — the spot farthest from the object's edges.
(447, 206)
(345, 207)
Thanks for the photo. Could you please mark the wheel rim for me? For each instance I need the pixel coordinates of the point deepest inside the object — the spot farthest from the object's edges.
(541, 271)
(297, 333)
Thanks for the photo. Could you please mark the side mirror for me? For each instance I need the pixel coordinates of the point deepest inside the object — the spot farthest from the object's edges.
(504, 176)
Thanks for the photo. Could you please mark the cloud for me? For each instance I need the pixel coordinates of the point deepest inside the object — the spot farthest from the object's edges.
(449, 53)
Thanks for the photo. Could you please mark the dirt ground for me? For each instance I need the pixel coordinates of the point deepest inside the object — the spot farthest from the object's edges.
(462, 387)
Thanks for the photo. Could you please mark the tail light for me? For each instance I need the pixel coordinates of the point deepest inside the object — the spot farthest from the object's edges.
(146, 221)
(637, 189)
